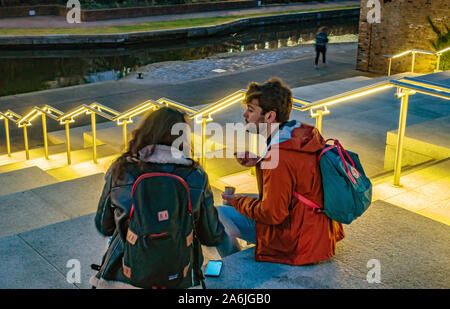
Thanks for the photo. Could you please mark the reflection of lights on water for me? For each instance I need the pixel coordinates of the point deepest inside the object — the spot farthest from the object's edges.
(266, 45)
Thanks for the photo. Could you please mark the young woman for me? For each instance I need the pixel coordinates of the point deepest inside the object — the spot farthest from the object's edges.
(151, 150)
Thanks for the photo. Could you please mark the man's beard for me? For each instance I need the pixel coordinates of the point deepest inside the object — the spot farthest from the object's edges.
(259, 127)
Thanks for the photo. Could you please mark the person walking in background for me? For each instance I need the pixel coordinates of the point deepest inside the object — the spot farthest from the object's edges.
(321, 45)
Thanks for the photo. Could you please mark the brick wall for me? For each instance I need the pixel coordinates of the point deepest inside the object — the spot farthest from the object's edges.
(403, 26)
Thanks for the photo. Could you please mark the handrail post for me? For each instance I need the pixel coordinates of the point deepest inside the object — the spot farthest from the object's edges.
(125, 135)
(438, 62)
(69, 157)
(25, 138)
(319, 121)
(8, 142)
(413, 60)
(203, 160)
(390, 64)
(94, 137)
(400, 138)
(44, 132)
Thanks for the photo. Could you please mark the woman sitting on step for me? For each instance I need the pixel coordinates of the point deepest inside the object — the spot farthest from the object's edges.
(158, 207)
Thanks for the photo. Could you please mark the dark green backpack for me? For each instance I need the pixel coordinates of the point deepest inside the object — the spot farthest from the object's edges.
(159, 249)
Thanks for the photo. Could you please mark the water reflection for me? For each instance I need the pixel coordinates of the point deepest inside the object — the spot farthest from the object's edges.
(32, 70)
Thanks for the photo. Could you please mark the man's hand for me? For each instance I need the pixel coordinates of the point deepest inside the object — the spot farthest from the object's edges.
(228, 198)
(245, 159)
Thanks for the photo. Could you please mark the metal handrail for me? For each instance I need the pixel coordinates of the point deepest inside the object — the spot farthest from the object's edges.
(415, 51)
(405, 87)
(9, 115)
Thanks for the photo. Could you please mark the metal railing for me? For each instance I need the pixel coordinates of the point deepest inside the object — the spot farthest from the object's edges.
(318, 109)
(414, 52)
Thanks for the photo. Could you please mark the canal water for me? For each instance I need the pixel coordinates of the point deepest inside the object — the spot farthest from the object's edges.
(32, 70)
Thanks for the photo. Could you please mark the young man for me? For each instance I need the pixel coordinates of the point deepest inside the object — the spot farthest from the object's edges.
(284, 229)
(321, 45)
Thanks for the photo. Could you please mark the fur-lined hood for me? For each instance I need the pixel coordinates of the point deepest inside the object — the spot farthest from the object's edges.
(162, 154)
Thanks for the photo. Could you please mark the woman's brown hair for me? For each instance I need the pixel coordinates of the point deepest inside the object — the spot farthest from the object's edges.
(154, 129)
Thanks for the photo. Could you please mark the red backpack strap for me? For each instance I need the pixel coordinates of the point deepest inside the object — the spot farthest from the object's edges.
(317, 209)
(341, 152)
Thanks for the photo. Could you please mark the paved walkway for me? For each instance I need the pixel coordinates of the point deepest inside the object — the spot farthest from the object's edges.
(60, 22)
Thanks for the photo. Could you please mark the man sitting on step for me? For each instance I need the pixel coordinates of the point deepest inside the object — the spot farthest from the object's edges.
(284, 229)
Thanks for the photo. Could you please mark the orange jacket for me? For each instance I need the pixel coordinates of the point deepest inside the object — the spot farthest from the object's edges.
(287, 230)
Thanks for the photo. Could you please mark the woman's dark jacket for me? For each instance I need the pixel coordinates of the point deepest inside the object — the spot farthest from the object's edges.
(115, 205)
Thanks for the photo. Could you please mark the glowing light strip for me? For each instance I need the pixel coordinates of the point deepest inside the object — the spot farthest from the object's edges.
(443, 50)
(402, 54)
(347, 97)
(75, 113)
(102, 108)
(136, 110)
(176, 104)
(421, 51)
(303, 102)
(218, 106)
(445, 95)
(425, 84)
(11, 115)
(34, 113)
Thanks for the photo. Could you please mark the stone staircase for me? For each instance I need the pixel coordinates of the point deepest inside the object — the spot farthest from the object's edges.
(47, 207)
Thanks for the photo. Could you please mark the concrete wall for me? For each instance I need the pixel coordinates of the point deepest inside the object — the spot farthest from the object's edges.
(403, 26)
(182, 33)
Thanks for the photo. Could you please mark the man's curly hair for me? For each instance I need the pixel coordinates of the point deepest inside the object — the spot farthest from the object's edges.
(273, 95)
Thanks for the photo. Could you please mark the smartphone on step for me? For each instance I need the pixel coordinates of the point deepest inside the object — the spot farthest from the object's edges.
(213, 268)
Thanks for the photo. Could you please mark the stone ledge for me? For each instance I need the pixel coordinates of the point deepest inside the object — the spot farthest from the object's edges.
(74, 40)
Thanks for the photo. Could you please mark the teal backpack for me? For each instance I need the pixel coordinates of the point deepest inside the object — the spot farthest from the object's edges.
(347, 192)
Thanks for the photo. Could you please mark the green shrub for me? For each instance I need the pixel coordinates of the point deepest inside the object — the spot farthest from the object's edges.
(442, 41)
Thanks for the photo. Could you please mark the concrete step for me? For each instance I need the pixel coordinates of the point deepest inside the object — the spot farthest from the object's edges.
(35, 153)
(24, 179)
(38, 258)
(424, 190)
(423, 142)
(60, 160)
(82, 169)
(23, 211)
(244, 182)
(76, 134)
(386, 233)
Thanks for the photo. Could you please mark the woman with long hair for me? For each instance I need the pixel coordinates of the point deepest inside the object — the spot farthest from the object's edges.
(151, 150)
